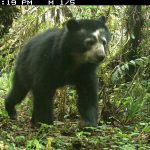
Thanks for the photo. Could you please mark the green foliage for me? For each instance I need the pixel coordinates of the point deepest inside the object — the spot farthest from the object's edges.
(6, 80)
(133, 106)
(142, 63)
(7, 20)
(127, 103)
(34, 144)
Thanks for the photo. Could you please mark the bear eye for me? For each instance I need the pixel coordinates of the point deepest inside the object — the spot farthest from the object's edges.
(90, 41)
(104, 42)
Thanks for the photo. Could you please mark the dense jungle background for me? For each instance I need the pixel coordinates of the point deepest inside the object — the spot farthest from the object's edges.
(124, 81)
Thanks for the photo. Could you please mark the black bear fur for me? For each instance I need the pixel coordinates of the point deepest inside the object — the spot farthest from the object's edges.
(58, 57)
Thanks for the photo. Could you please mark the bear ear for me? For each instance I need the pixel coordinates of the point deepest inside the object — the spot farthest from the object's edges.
(102, 19)
(73, 25)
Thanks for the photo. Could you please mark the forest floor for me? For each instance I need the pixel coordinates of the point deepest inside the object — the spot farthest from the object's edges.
(19, 135)
(66, 134)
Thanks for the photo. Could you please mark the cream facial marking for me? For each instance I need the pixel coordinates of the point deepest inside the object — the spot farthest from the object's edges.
(104, 41)
(98, 48)
(98, 33)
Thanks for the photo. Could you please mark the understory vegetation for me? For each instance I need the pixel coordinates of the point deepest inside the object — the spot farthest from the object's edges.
(124, 82)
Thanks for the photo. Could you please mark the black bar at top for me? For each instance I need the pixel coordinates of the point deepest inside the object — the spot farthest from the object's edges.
(74, 2)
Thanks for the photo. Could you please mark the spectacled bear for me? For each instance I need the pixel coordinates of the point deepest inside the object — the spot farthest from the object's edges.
(58, 57)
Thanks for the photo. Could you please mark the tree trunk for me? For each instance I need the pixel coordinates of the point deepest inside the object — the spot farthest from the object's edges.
(134, 23)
